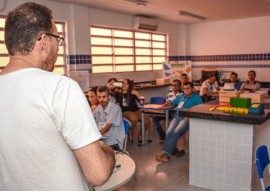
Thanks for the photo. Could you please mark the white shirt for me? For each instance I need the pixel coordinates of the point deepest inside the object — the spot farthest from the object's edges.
(44, 116)
(210, 87)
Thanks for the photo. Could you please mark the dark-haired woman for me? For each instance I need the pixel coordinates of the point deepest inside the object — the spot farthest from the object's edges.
(128, 100)
(92, 97)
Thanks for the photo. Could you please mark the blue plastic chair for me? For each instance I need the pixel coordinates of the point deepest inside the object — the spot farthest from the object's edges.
(262, 160)
(126, 126)
(157, 100)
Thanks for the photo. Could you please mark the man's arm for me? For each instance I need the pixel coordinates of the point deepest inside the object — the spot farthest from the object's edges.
(97, 162)
(106, 128)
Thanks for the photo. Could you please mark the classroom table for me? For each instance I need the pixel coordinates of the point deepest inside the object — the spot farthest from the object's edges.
(121, 175)
(154, 110)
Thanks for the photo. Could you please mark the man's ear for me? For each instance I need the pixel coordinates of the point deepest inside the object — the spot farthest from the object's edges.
(44, 42)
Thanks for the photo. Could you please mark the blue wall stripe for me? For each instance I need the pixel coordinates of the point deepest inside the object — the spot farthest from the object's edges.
(233, 66)
(229, 57)
(79, 59)
(87, 59)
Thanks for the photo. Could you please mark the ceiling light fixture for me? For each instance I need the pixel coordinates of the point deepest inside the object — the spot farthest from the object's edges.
(138, 2)
(184, 13)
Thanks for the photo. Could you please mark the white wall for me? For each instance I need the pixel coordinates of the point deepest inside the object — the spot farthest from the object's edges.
(243, 36)
(79, 19)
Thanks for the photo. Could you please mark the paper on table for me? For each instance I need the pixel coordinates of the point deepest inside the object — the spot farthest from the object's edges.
(154, 106)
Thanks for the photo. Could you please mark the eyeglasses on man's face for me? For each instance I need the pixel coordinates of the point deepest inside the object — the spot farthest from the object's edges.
(60, 39)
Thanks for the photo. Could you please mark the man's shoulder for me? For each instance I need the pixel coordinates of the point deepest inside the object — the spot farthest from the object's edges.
(113, 107)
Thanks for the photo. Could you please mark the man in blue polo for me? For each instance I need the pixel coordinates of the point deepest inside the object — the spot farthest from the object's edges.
(179, 125)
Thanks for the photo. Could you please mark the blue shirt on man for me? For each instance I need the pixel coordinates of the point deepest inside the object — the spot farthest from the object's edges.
(182, 102)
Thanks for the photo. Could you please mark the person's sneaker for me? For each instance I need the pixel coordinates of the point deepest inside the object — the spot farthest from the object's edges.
(161, 141)
(180, 153)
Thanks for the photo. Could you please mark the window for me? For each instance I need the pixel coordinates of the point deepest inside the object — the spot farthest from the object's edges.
(119, 50)
(60, 65)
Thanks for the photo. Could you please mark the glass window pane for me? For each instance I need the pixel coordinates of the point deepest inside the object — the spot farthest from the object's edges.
(159, 59)
(159, 52)
(126, 68)
(2, 22)
(2, 35)
(4, 61)
(60, 27)
(101, 41)
(123, 42)
(157, 67)
(158, 45)
(101, 50)
(142, 35)
(142, 51)
(101, 69)
(124, 60)
(60, 60)
(158, 37)
(3, 49)
(123, 51)
(60, 70)
(139, 43)
(61, 50)
(143, 59)
(100, 31)
(102, 60)
(143, 67)
(120, 33)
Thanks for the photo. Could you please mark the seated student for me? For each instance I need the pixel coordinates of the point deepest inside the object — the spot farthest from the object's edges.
(179, 125)
(112, 88)
(108, 117)
(175, 91)
(183, 79)
(234, 79)
(251, 84)
(128, 100)
(209, 87)
(92, 97)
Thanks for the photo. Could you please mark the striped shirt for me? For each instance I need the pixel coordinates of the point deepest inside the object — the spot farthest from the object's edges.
(171, 96)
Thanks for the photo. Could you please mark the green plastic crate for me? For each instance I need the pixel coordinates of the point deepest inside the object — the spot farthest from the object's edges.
(240, 102)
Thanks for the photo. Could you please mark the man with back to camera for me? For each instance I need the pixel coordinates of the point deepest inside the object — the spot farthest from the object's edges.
(108, 117)
(48, 136)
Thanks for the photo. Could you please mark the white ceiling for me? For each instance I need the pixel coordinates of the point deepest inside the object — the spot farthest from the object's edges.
(213, 10)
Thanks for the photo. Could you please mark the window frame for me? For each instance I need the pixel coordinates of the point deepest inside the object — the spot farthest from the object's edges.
(134, 48)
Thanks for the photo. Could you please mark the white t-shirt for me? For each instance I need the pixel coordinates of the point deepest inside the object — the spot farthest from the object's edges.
(44, 116)
(210, 87)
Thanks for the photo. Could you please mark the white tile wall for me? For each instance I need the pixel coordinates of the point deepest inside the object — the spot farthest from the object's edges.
(221, 155)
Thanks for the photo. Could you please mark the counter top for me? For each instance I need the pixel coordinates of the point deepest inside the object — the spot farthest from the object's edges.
(202, 112)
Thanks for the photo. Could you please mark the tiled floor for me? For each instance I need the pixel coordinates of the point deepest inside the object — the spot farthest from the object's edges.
(151, 175)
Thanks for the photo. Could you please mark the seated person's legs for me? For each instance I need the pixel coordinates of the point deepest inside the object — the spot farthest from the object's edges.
(176, 129)
(180, 147)
(147, 119)
(135, 129)
(156, 122)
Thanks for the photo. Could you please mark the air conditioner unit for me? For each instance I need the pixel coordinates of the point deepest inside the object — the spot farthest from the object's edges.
(145, 23)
